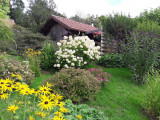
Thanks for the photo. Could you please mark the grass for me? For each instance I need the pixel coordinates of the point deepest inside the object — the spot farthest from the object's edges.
(39, 80)
(119, 100)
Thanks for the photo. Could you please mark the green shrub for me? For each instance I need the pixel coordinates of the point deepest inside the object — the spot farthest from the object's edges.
(116, 27)
(112, 61)
(75, 84)
(142, 50)
(8, 66)
(151, 95)
(48, 58)
(6, 36)
(84, 111)
(26, 39)
(34, 60)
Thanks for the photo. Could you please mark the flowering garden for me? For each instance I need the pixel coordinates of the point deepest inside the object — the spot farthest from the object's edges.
(41, 79)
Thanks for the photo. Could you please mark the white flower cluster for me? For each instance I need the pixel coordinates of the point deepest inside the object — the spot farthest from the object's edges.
(76, 52)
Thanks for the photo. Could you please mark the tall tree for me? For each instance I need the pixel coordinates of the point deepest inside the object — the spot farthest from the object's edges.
(39, 11)
(17, 7)
(87, 20)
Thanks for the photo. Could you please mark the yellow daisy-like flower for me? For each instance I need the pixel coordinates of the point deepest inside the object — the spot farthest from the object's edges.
(12, 108)
(25, 91)
(79, 116)
(9, 81)
(59, 114)
(3, 95)
(3, 85)
(45, 90)
(36, 92)
(46, 104)
(41, 114)
(64, 110)
(49, 85)
(58, 118)
(9, 88)
(61, 104)
(31, 118)
(19, 77)
(58, 97)
(20, 102)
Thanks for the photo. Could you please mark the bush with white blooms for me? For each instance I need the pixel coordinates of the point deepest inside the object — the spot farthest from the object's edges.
(76, 52)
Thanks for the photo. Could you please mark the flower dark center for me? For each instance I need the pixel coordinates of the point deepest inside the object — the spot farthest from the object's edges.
(9, 86)
(2, 82)
(35, 90)
(26, 91)
(45, 90)
(1, 94)
(46, 102)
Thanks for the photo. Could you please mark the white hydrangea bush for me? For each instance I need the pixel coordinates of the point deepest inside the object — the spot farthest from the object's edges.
(76, 52)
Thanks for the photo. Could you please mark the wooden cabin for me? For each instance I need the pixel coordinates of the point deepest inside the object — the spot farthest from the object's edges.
(58, 27)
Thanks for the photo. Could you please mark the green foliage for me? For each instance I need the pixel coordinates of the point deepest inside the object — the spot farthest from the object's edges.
(111, 61)
(4, 8)
(84, 110)
(152, 15)
(118, 26)
(6, 36)
(141, 53)
(34, 60)
(151, 95)
(75, 84)
(8, 66)
(48, 57)
(87, 20)
(26, 39)
(148, 27)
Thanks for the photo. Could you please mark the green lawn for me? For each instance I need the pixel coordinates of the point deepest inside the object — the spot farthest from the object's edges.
(119, 100)
(39, 80)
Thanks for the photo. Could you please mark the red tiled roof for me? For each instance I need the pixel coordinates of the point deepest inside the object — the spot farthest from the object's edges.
(73, 25)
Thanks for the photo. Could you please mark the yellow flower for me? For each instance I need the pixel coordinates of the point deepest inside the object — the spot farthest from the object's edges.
(19, 77)
(12, 108)
(3, 95)
(58, 97)
(79, 116)
(64, 110)
(25, 91)
(49, 85)
(41, 114)
(44, 89)
(58, 118)
(13, 75)
(3, 85)
(20, 102)
(61, 104)
(59, 114)
(28, 102)
(36, 92)
(31, 118)
(9, 88)
(46, 104)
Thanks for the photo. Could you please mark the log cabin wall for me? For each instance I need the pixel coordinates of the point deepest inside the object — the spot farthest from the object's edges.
(57, 32)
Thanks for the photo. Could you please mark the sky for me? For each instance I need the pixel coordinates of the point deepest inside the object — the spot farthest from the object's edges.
(104, 7)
